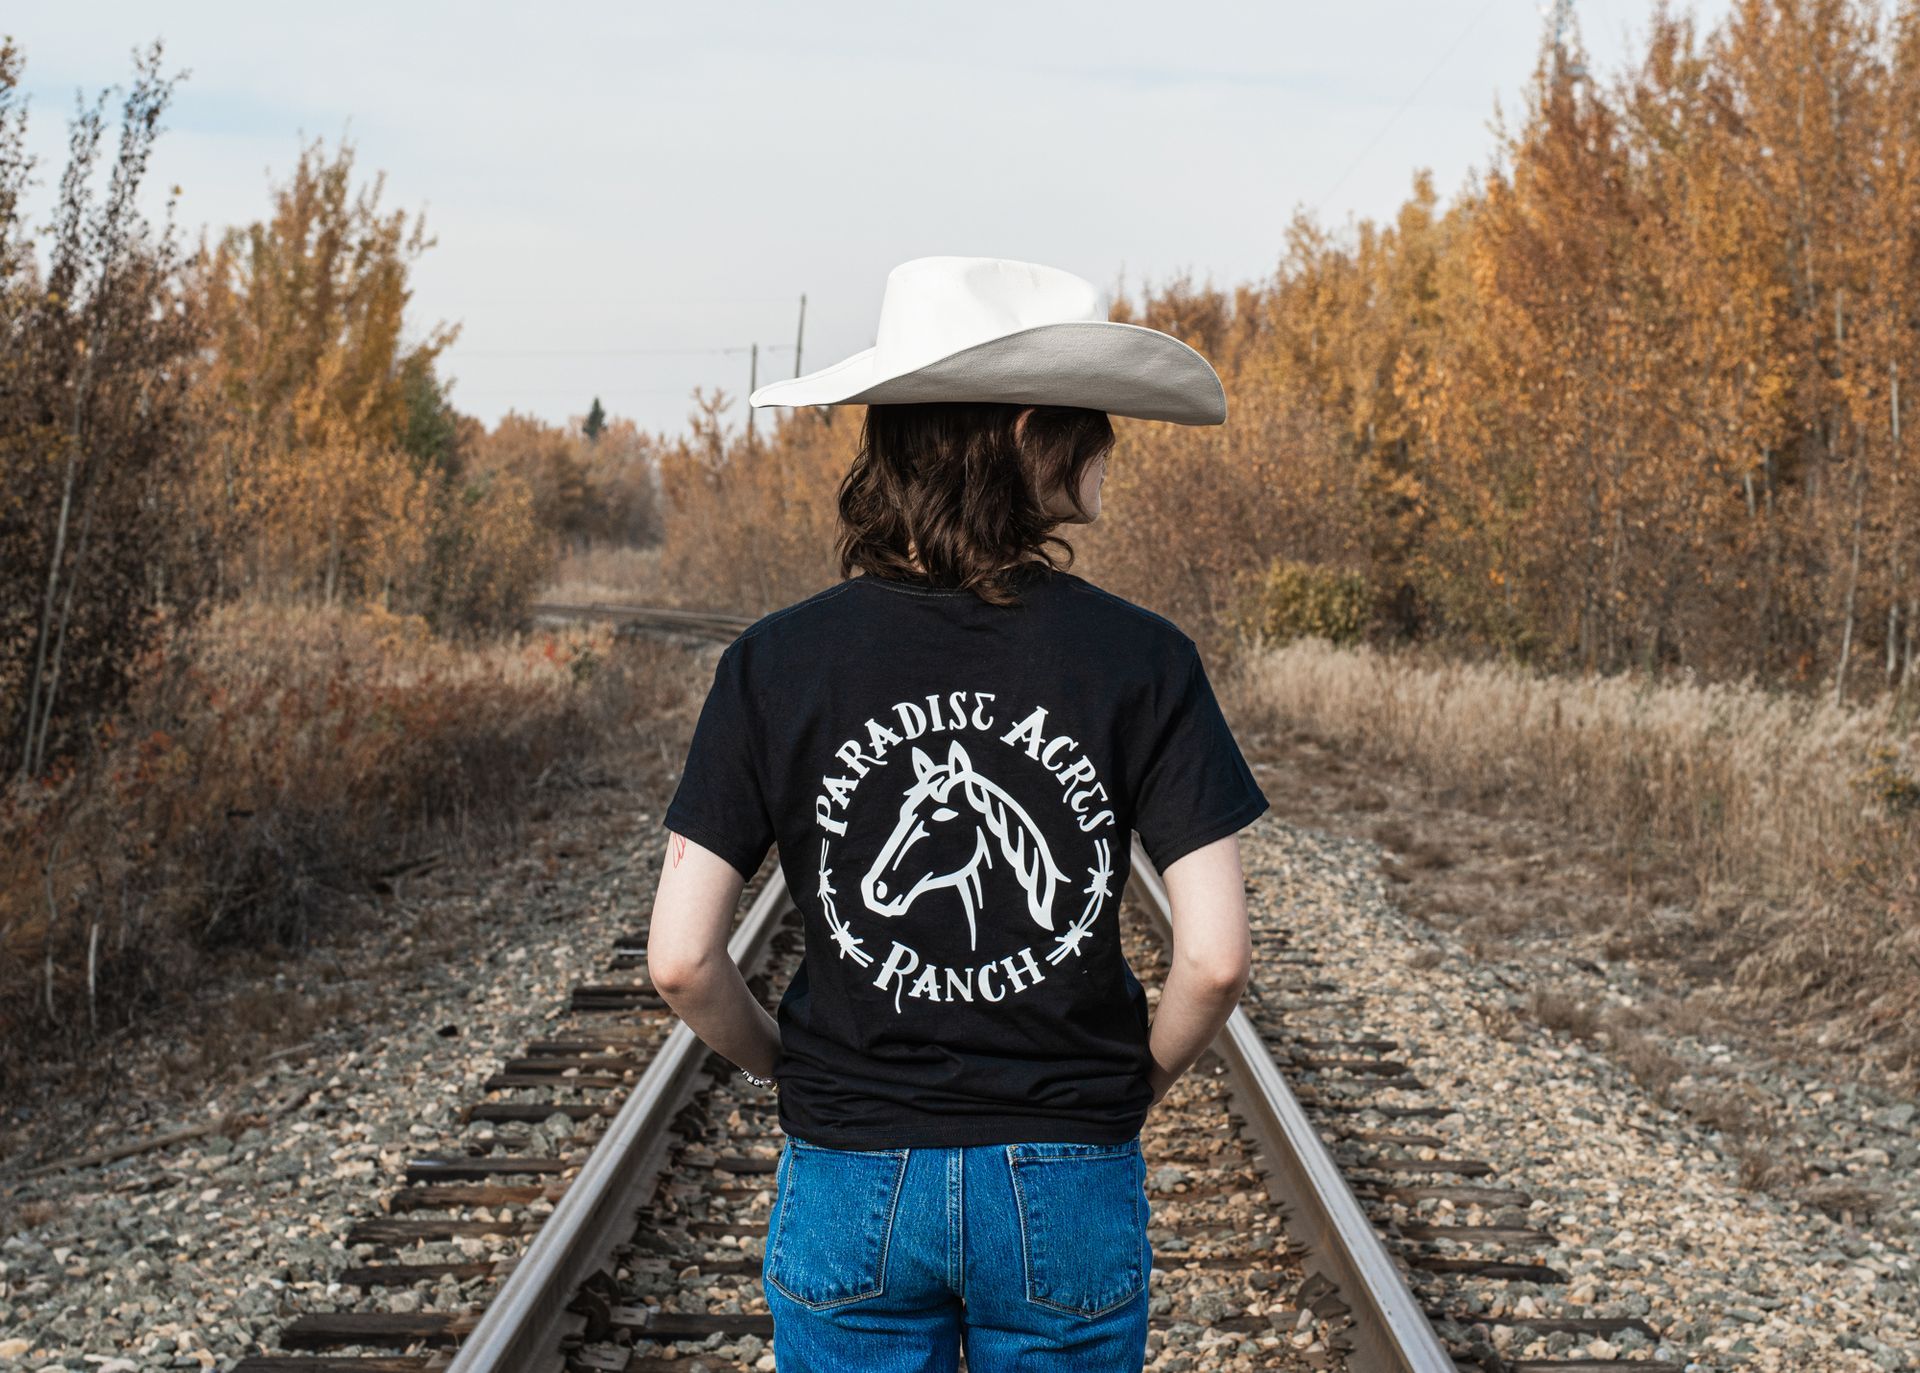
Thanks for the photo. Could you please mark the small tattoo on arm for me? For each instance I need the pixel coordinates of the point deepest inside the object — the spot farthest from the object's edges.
(678, 848)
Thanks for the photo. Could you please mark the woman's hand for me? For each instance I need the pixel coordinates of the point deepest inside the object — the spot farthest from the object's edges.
(1161, 1082)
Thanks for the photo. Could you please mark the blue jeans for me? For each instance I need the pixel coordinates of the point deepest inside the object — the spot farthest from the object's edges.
(1029, 1256)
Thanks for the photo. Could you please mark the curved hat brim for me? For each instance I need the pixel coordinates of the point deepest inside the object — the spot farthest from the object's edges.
(1123, 369)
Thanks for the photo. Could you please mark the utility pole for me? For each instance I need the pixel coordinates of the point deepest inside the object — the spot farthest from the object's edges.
(800, 334)
(1560, 26)
(753, 384)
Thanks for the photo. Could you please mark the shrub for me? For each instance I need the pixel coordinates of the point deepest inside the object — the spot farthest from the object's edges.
(270, 764)
(1294, 600)
(96, 427)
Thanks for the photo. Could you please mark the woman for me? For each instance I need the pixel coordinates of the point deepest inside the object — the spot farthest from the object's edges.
(950, 751)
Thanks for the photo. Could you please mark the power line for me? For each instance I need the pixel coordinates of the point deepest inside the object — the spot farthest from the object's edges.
(753, 351)
(615, 352)
(1405, 105)
(463, 396)
(546, 299)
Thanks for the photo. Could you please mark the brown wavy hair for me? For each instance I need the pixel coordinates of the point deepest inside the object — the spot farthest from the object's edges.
(955, 483)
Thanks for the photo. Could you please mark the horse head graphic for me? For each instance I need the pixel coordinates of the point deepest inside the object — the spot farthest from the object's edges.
(952, 821)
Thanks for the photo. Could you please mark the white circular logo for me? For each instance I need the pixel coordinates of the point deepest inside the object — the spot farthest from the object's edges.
(956, 815)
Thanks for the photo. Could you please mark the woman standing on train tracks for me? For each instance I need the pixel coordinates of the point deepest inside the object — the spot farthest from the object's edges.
(950, 751)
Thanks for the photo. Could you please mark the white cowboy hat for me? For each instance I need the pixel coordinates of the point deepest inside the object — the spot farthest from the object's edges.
(989, 328)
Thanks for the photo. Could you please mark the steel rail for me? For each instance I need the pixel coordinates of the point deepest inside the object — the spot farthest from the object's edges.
(659, 616)
(1390, 1333)
(522, 1328)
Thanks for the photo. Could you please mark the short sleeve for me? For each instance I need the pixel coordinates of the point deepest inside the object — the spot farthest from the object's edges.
(719, 803)
(1196, 786)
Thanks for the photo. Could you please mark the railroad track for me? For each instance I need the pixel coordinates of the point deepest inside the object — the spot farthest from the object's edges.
(712, 624)
(1459, 1239)
(1397, 1254)
(573, 1203)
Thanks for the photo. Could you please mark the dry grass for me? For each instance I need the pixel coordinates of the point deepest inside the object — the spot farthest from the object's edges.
(1647, 1061)
(1792, 819)
(273, 767)
(1844, 1200)
(1567, 1014)
(1758, 1166)
(612, 573)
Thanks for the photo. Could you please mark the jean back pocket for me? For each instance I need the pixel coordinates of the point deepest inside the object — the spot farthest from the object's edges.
(832, 1222)
(1083, 1223)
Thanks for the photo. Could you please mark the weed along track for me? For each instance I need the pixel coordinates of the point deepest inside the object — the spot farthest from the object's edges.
(613, 1190)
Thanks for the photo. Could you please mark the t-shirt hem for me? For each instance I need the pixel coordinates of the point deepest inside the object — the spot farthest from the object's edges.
(969, 1133)
(1232, 822)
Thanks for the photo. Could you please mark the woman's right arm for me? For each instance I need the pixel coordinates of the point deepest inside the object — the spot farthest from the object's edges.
(1211, 961)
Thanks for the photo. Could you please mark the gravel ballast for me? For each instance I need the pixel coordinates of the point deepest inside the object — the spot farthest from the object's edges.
(191, 1256)
(1649, 1210)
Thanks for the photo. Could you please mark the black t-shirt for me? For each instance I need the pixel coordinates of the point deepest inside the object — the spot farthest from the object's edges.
(951, 787)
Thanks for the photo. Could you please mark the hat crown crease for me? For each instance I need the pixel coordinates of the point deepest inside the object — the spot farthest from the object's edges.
(937, 306)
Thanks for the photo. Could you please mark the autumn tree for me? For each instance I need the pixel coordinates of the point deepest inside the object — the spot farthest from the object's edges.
(752, 525)
(96, 427)
(336, 473)
(1637, 397)
(623, 482)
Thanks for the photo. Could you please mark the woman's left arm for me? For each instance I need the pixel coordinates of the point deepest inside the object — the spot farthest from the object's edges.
(687, 958)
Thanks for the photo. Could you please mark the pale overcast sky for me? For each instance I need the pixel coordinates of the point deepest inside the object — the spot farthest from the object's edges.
(620, 192)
